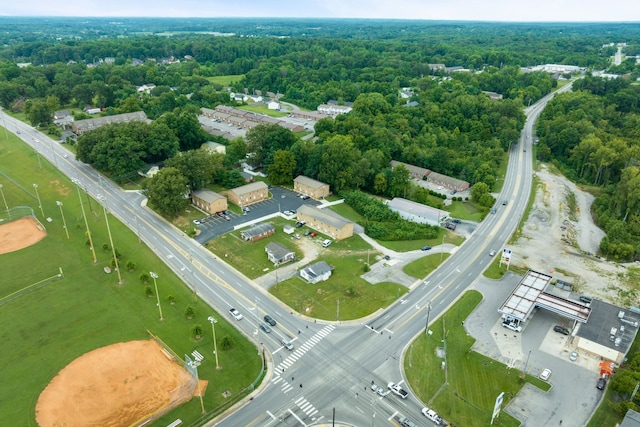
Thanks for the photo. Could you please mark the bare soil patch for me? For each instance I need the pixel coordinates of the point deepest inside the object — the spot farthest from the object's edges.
(112, 386)
(20, 234)
(564, 242)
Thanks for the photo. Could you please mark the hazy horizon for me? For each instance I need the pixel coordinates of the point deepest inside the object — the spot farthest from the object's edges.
(447, 10)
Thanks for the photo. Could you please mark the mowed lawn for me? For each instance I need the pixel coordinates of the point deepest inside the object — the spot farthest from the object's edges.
(467, 394)
(46, 328)
(225, 80)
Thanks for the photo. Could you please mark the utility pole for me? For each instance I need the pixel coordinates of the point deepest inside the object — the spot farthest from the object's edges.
(113, 248)
(64, 223)
(35, 187)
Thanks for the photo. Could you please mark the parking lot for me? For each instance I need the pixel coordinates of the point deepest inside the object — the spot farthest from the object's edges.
(282, 200)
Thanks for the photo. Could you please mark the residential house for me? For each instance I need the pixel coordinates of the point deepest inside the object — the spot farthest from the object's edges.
(258, 231)
(318, 272)
(61, 114)
(437, 67)
(334, 109)
(279, 254)
(209, 201)
(145, 88)
(309, 115)
(249, 194)
(214, 147)
(81, 126)
(273, 105)
(311, 187)
(493, 95)
(417, 212)
(325, 221)
(247, 176)
(412, 104)
(92, 110)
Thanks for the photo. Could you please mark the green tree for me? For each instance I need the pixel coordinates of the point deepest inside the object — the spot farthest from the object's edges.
(283, 167)
(38, 113)
(264, 140)
(166, 191)
(339, 156)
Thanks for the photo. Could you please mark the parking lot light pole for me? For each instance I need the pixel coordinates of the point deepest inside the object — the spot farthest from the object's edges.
(426, 328)
(215, 346)
(64, 223)
(155, 285)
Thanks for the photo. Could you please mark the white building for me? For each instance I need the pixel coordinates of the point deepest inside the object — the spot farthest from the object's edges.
(416, 212)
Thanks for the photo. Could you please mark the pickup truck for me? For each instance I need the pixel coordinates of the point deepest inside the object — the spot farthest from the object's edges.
(396, 389)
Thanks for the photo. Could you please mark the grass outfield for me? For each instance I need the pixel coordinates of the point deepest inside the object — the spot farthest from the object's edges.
(47, 328)
(473, 381)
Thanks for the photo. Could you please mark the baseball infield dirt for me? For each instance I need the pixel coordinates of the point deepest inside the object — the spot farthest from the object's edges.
(112, 386)
(20, 234)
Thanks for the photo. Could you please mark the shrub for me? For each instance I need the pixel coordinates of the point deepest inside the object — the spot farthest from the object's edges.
(148, 291)
(188, 312)
(196, 330)
(227, 343)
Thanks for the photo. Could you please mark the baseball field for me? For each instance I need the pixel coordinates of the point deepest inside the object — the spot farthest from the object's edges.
(62, 314)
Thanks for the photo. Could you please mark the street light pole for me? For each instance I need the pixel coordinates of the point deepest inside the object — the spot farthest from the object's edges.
(113, 248)
(64, 223)
(441, 248)
(215, 345)
(5, 203)
(35, 186)
(155, 285)
(86, 223)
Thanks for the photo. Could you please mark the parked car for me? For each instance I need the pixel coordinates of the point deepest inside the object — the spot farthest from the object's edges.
(270, 320)
(326, 243)
(300, 223)
(265, 327)
(602, 383)
(306, 233)
(544, 376)
(235, 313)
(196, 222)
(387, 257)
(585, 299)
(573, 356)
(305, 197)
(296, 236)
(288, 213)
(456, 221)
(245, 209)
(425, 248)
(314, 234)
(512, 325)
(561, 329)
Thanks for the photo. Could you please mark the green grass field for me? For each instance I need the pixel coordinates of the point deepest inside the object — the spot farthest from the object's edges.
(225, 80)
(262, 109)
(467, 394)
(47, 328)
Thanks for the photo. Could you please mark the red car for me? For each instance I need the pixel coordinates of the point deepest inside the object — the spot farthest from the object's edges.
(314, 234)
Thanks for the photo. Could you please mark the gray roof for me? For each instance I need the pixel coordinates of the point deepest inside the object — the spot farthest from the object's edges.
(318, 269)
(631, 419)
(207, 195)
(309, 182)
(254, 186)
(407, 206)
(277, 250)
(411, 168)
(89, 124)
(258, 229)
(435, 176)
(325, 215)
(604, 317)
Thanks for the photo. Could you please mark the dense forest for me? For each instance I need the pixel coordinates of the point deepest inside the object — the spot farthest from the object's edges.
(451, 127)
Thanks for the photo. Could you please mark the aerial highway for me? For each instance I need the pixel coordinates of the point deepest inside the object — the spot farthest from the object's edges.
(332, 366)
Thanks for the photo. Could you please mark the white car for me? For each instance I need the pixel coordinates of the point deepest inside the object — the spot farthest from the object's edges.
(235, 313)
(432, 416)
(573, 356)
(544, 376)
(288, 213)
(492, 252)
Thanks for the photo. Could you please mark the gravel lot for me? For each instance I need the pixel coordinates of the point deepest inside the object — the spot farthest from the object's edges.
(562, 243)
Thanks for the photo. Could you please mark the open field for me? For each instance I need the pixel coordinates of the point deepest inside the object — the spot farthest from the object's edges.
(424, 266)
(473, 381)
(262, 109)
(49, 327)
(225, 80)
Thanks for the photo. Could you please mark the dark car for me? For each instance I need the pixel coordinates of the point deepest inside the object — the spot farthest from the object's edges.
(602, 383)
(585, 299)
(561, 329)
(306, 233)
(270, 320)
(265, 327)
(387, 257)
(456, 221)
(425, 248)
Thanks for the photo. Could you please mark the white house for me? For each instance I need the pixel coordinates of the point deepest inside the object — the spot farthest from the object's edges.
(318, 272)
(273, 105)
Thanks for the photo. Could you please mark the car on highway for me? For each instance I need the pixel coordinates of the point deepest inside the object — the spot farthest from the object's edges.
(432, 415)
(504, 202)
(573, 356)
(287, 344)
(397, 390)
(561, 329)
(492, 252)
(425, 248)
(265, 327)
(544, 376)
(270, 320)
(236, 314)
